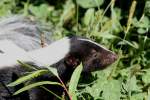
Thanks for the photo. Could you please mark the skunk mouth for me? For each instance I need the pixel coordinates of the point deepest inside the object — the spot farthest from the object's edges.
(111, 58)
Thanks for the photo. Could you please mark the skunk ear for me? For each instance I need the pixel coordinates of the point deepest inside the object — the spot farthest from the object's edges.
(72, 60)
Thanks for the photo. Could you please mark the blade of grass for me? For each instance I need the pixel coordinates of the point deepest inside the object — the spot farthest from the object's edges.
(28, 77)
(35, 85)
(26, 65)
(51, 92)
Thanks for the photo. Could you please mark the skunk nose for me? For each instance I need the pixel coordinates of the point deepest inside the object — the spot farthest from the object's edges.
(114, 57)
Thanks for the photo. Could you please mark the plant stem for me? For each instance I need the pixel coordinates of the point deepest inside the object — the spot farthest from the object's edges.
(63, 85)
(51, 92)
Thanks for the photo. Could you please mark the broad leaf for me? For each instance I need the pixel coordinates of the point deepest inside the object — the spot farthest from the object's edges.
(89, 3)
(74, 81)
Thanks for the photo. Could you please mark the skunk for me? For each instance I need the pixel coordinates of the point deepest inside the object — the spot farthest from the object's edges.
(20, 39)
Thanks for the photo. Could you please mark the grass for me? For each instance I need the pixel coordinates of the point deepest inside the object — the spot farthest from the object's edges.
(123, 27)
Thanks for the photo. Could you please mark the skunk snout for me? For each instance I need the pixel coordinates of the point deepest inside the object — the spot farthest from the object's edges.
(112, 58)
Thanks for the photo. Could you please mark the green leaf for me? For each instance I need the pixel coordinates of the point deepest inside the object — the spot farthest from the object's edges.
(141, 30)
(35, 85)
(97, 87)
(147, 8)
(132, 84)
(68, 12)
(28, 77)
(41, 11)
(53, 70)
(134, 45)
(28, 66)
(105, 35)
(139, 96)
(111, 90)
(74, 81)
(89, 3)
(146, 77)
(89, 16)
(115, 22)
(143, 23)
(6, 7)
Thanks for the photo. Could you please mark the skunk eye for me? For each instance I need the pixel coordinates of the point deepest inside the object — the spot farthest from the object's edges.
(94, 53)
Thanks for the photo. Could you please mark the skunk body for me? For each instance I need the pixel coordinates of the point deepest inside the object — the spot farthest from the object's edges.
(23, 32)
(64, 54)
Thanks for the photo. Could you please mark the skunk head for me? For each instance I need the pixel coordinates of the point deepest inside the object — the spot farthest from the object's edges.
(91, 54)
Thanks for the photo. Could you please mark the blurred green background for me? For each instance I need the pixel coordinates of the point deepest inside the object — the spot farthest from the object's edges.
(123, 26)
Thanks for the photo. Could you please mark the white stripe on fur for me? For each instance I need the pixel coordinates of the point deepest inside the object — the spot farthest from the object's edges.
(44, 56)
(94, 43)
(11, 54)
(52, 53)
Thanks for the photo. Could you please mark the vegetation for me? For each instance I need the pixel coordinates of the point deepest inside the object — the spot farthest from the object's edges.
(121, 25)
